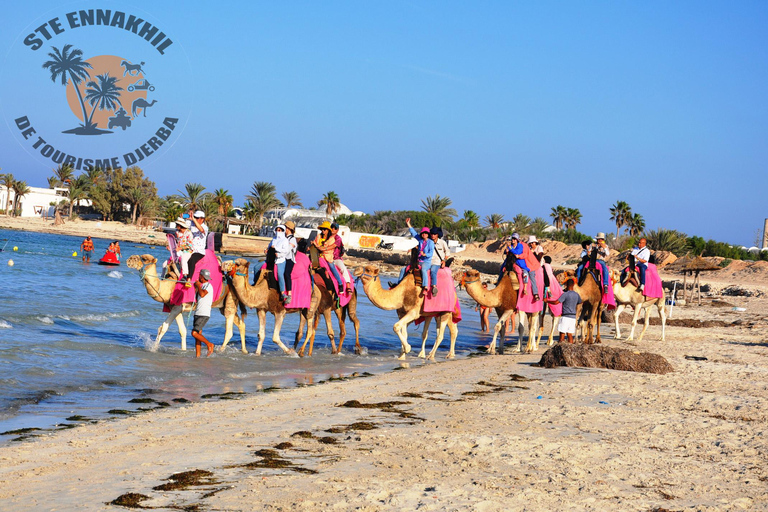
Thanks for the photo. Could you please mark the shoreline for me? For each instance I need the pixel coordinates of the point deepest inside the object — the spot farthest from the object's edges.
(483, 433)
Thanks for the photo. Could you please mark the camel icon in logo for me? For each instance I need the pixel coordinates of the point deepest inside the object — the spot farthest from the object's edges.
(96, 83)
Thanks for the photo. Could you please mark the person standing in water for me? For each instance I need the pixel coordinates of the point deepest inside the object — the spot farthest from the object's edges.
(87, 249)
(204, 292)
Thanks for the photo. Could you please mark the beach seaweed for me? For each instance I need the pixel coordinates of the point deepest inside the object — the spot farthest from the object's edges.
(180, 400)
(186, 479)
(20, 431)
(283, 446)
(141, 401)
(303, 434)
(121, 411)
(130, 500)
(77, 417)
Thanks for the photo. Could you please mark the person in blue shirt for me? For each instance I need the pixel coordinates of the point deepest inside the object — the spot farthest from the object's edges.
(426, 250)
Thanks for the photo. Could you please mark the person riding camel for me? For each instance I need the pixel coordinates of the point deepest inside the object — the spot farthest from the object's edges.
(338, 253)
(184, 248)
(438, 257)
(326, 244)
(426, 250)
(642, 254)
(602, 253)
(285, 250)
(527, 263)
(199, 231)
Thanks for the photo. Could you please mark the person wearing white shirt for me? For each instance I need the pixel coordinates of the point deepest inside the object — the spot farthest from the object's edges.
(642, 254)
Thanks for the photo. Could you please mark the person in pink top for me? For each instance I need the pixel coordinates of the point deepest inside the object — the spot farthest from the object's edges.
(338, 252)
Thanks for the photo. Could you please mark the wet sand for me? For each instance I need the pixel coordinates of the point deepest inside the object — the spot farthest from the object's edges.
(485, 433)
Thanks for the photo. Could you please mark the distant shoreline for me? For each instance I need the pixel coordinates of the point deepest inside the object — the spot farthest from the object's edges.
(108, 230)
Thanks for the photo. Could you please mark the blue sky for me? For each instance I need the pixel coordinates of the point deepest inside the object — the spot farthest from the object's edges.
(505, 107)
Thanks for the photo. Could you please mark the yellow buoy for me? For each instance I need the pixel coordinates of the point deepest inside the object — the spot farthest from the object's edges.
(74, 254)
(15, 248)
(10, 263)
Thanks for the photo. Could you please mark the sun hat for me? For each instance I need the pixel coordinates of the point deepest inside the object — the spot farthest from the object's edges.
(532, 239)
(424, 230)
(199, 214)
(325, 225)
(600, 235)
(280, 226)
(182, 222)
(516, 236)
(290, 225)
(206, 274)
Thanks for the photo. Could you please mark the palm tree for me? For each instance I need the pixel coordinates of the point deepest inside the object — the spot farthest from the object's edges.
(558, 216)
(439, 208)
(223, 200)
(494, 220)
(292, 199)
(471, 218)
(261, 199)
(95, 176)
(636, 225)
(104, 94)
(193, 195)
(7, 180)
(520, 223)
(538, 226)
(331, 202)
(78, 190)
(620, 214)
(64, 174)
(20, 189)
(572, 218)
(70, 66)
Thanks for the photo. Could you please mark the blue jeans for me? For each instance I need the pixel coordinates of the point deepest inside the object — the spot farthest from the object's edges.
(280, 271)
(532, 278)
(643, 267)
(425, 268)
(336, 274)
(433, 274)
(606, 277)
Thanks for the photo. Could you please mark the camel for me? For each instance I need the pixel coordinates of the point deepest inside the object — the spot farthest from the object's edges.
(630, 296)
(503, 299)
(592, 301)
(325, 307)
(406, 298)
(141, 103)
(264, 297)
(161, 290)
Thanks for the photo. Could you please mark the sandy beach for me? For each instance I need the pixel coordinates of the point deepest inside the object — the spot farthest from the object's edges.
(484, 433)
(487, 433)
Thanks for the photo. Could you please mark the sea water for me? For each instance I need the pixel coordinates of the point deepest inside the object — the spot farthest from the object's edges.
(77, 339)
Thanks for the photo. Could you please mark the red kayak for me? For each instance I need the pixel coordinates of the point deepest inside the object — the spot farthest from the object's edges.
(109, 258)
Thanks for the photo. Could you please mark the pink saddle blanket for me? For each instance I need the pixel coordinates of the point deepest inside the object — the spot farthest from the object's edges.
(525, 302)
(181, 294)
(344, 297)
(653, 287)
(301, 282)
(554, 291)
(608, 298)
(445, 300)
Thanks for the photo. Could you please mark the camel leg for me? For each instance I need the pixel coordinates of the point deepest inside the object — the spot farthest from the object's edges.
(342, 332)
(497, 330)
(598, 321)
(300, 333)
(663, 314)
(647, 320)
(454, 334)
(401, 329)
(533, 326)
(616, 315)
(441, 320)
(356, 323)
(520, 334)
(555, 320)
(174, 315)
(240, 323)
(228, 321)
(425, 335)
(635, 316)
(279, 317)
(262, 314)
(329, 328)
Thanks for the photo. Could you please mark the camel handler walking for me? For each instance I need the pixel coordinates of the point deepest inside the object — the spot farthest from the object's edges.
(87, 249)
(570, 299)
(204, 292)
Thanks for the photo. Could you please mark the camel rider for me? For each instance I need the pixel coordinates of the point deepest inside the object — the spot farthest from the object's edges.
(199, 231)
(602, 253)
(642, 254)
(338, 252)
(184, 248)
(536, 249)
(285, 249)
(585, 249)
(527, 263)
(326, 244)
(438, 257)
(87, 249)
(426, 251)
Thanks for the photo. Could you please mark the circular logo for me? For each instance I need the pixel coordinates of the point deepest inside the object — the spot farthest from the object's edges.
(103, 88)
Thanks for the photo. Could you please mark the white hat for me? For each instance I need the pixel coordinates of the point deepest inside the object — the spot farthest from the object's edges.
(600, 235)
(532, 238)
(200, 214)
(182, 222)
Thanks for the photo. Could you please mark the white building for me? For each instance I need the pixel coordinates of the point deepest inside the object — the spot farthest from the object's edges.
(39, 202)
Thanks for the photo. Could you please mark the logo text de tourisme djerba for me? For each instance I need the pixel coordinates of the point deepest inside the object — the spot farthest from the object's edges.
(108, 93)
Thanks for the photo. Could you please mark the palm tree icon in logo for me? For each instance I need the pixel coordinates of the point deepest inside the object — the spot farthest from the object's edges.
(106, 94)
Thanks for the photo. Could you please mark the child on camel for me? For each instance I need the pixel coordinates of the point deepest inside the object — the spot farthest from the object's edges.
(426, 250)
(184, 248)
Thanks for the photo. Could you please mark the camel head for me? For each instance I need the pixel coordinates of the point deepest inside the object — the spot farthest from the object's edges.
(228, 267)
(139, 262)
(241, 266)
(471, 275)
(565, 275)
(367, 270)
